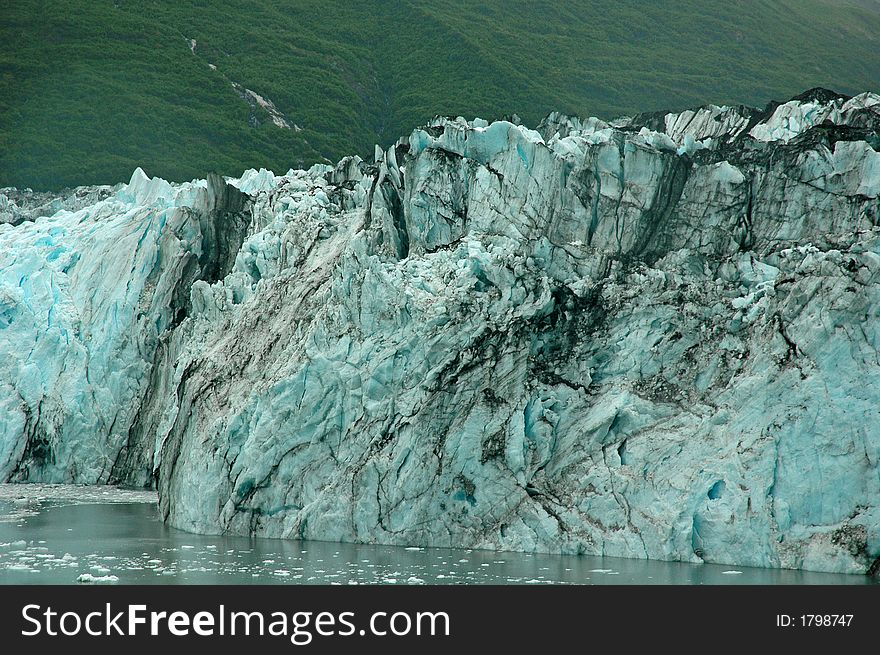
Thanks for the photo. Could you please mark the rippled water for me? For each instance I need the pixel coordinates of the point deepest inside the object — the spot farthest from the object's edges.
(65, 534)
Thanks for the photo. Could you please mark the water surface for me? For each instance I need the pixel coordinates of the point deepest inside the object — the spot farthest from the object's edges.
(59, 534)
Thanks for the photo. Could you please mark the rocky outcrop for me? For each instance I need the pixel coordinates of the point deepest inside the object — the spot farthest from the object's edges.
(655, 337)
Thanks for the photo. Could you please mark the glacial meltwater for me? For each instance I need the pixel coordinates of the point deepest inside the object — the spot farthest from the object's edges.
(63, 534)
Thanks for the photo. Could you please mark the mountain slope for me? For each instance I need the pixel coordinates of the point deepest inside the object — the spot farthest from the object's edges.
(91, 89)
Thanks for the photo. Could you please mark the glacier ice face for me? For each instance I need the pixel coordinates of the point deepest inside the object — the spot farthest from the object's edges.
(655, 337)
(85, 298)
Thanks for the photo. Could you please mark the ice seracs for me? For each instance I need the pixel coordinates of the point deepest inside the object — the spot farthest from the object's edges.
(85, 298)
(652, 337)
(796, 116)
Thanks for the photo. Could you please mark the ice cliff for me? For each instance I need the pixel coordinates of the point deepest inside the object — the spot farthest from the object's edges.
(655, 337)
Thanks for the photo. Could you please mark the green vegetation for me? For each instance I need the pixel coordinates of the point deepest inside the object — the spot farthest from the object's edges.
(90, 89)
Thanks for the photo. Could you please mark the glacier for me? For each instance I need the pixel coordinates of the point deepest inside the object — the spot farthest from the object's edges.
(653, 337)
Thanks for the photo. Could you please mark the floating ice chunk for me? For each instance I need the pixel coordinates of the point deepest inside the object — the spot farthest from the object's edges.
(19, 567)
(88, 578)
(14, 545)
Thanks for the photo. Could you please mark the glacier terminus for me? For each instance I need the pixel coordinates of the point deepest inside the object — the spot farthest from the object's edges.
(655, 337)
